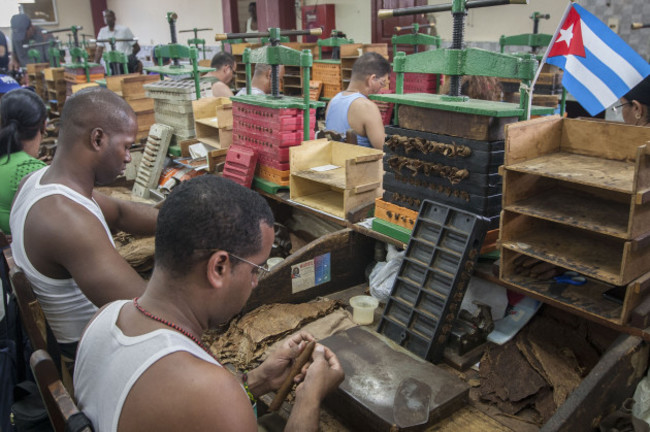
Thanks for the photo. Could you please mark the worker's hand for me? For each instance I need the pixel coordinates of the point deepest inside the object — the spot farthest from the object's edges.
(323, 375)
(271, 374)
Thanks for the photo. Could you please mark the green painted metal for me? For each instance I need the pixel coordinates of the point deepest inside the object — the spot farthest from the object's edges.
(391, 230)
(196, 42)
(462, 105)
(177, 51)
(527, 39)
(415, 39)
(334, 41)
(268, 186)
(269, 101)
(115, 57)
(34, 55)
(470, 61)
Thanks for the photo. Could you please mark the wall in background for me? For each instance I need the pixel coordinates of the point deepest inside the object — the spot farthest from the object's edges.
(627, 11)
(147, 19)
(70, 12)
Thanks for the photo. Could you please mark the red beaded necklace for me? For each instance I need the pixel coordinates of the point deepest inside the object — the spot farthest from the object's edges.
(172, 325)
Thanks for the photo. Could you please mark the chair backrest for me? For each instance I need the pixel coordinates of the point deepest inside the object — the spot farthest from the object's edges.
(30, 311)
(59, 404)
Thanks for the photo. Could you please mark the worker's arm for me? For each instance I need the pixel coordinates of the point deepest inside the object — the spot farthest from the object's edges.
(99, 50)
(365, 119)
(63, 239)
(373, 126)
(219, 89)
(136, 48)
(127, 216)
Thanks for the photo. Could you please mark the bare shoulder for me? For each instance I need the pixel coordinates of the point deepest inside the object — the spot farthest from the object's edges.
(183, 392)
(219, 89)
(364, 105)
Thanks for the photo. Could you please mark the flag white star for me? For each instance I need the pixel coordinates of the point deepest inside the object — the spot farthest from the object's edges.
(566, 35)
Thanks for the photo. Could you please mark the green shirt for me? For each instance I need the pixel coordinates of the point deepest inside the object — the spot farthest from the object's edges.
(11, 173)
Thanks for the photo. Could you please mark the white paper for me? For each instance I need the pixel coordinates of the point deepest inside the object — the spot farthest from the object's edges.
(198, 150)
(325, 168)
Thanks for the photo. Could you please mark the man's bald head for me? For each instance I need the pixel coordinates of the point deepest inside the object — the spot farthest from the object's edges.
(91, 108)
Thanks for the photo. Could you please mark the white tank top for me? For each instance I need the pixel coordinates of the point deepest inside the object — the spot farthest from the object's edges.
(109, 363)
(66, 308)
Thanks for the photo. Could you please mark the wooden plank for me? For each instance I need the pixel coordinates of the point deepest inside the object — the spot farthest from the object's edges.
(532, 139)
(587, 253)
(453, 123)
(595, 138)
(143, 104)
(575, 208)
(114, 82)
(634, 295)
(584, 300)
(350, 253)
(334, 177)
(612, 380)
(587, 170)
(132, 87)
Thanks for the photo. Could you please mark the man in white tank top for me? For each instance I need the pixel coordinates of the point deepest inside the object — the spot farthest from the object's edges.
(141, 365)
(62, 228)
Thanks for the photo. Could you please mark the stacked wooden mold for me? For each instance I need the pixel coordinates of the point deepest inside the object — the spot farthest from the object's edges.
(36, 78)
(77, 75)
(576, 196)
(56, 88)
(547, 88)
(173, 104)
(459, 172)
(416, 83)
(271, 132)
(132, 90)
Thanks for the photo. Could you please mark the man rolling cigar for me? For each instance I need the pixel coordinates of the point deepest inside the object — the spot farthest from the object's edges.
(141, 364)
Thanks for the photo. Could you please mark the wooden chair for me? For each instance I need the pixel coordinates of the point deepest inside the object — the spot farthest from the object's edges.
(60, 406)
(30, 311)
(38, 331)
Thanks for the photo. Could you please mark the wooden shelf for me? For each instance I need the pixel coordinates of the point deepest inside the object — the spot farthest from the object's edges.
(334, 178)
(576, 208)
(586, 170)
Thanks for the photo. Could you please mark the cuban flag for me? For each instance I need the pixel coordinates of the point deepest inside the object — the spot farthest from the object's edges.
(599, 67)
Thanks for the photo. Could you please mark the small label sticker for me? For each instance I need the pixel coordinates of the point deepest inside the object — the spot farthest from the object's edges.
(309, 274)
(325, 168)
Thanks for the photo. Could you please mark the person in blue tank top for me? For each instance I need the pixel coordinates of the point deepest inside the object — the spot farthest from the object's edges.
(351, 109)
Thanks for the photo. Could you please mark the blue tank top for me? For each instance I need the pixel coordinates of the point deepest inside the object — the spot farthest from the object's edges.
(337, 116)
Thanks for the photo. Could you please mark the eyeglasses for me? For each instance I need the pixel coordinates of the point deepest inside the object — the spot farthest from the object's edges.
(617, 108)
(257, 270)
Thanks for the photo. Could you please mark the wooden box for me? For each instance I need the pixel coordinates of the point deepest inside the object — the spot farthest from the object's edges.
(213, 121)
(576, 194)
(53, 74)
(132, 87)
(114, 82)
(353, 182)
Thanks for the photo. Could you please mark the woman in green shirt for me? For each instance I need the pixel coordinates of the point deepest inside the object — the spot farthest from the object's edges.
(22, 126)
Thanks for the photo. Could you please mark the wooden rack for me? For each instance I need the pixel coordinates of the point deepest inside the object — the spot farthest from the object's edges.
(575, 194)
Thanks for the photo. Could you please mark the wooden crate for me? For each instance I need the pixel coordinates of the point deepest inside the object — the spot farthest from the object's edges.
(53, 74)
(573, 199)
(213, 121)
(132, 87)
(395, 214)
(114, 82)
(354, 183)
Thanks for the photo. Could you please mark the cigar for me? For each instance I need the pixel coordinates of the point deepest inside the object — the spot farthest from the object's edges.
(302, 359)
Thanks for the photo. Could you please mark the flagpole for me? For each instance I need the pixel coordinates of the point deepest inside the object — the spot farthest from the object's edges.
(543, 60)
